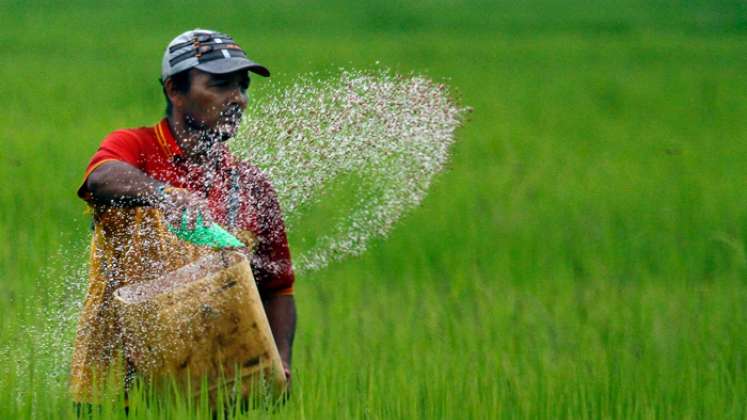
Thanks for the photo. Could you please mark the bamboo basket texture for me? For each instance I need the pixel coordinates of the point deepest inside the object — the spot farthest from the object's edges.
(202, 321)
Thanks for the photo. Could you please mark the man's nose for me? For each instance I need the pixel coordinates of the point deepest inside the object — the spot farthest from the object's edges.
(239, 97)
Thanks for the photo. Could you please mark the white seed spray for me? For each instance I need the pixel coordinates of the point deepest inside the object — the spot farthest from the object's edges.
(392, 132)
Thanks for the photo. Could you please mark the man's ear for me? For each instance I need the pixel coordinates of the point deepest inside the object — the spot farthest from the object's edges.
(176, 97)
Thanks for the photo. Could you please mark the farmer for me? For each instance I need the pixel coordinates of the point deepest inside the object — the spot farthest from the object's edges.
(141, 180)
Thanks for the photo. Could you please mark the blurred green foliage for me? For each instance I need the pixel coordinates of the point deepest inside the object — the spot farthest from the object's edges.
(583, 256)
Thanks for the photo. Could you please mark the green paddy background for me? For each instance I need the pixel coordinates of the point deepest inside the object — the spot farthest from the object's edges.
(583, 256)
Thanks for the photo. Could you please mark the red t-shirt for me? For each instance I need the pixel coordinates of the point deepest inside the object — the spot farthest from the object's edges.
(239, 195)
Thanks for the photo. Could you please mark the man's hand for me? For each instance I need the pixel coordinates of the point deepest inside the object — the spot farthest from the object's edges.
(281, 313)
(177, 203)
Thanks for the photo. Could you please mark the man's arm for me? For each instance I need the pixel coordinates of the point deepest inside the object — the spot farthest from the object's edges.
(271, 262)
(117, 182)
(281, 313)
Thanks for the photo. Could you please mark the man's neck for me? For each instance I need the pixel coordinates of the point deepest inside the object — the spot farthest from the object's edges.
(187, 142)
(178, 132)
(184, 139)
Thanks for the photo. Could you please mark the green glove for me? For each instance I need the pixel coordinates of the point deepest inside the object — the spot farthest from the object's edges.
(213, 235)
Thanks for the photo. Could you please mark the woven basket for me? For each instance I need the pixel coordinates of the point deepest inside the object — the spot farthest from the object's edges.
(202, 321)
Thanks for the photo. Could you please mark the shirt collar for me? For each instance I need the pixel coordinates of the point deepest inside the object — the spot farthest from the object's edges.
(166, 139)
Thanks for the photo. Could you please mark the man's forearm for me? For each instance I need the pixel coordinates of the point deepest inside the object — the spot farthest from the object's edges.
(121, 183)
(281, 313)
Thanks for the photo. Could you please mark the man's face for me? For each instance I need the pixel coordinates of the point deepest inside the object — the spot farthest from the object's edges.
(213, 107)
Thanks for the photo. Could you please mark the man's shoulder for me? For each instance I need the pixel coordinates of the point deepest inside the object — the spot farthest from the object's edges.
(140, 141)
(250, 173)
(242, 166)
(137, 134)
(248, 169)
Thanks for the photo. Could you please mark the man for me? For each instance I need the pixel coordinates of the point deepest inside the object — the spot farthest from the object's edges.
(142, 180)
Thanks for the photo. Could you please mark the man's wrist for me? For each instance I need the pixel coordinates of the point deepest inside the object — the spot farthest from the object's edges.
(158, 196)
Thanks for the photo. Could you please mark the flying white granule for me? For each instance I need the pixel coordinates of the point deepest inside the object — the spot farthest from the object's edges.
(391, 132)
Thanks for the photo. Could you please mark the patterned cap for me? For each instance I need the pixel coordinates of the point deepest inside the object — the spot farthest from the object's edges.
(209, 51)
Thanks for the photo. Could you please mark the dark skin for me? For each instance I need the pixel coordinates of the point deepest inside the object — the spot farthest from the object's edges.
(200, 118)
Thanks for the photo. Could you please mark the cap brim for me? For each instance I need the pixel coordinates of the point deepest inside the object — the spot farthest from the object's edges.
(230, 65)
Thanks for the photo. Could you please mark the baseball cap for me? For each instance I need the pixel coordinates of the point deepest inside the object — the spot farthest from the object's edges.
(209, 51)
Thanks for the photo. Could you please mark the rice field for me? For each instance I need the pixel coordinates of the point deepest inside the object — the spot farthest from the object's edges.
(583, 255)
